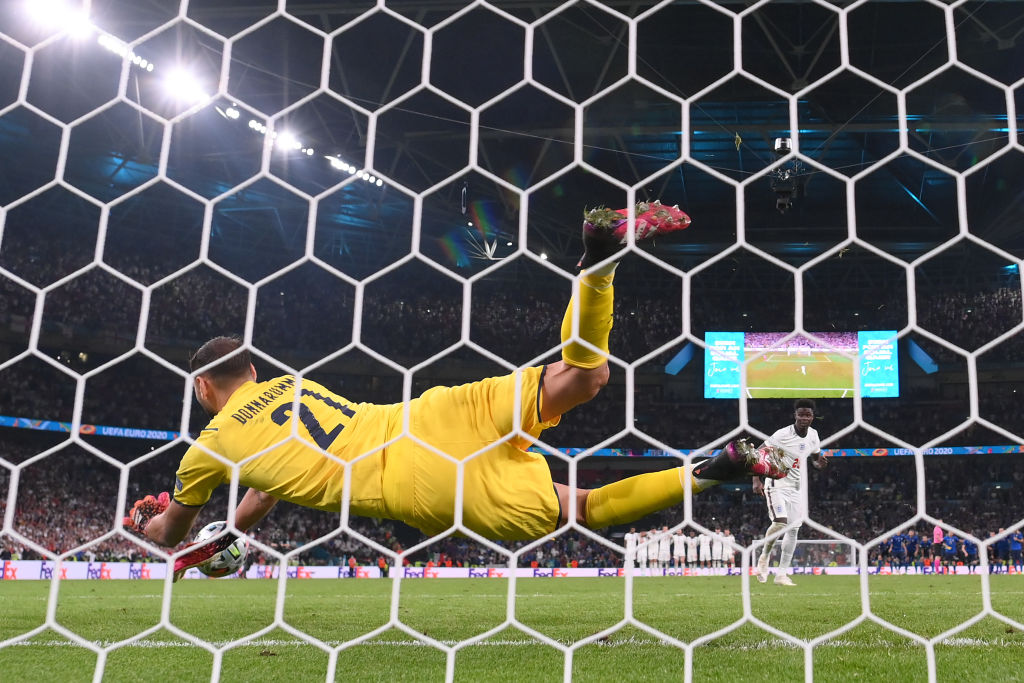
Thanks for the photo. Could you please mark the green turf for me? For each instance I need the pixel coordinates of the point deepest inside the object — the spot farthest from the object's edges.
(827, 375)
(565, 610)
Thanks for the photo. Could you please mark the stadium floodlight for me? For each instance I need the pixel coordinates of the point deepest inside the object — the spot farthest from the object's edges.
(120, 48)
(59, 15)
(288, 141)
(380, 182)
(184, 87)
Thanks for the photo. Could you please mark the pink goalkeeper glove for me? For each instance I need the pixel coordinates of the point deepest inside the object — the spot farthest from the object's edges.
(145, 510)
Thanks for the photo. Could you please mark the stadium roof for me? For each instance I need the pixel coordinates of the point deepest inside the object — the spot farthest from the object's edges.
(679, 132)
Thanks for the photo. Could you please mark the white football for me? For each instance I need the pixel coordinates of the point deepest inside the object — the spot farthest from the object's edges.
(227, 561)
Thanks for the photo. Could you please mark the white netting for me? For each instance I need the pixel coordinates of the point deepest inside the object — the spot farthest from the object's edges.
(210, 179)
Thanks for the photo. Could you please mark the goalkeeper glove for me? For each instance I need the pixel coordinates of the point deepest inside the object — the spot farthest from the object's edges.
(144, 510)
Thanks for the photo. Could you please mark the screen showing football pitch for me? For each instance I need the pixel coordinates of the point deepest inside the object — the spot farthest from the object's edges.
(797, 367)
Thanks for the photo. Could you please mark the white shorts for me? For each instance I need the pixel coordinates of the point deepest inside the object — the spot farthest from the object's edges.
(784, 503)
(705, 554)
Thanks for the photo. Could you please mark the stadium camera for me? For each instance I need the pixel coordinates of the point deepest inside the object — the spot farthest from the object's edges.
(784, 180)
(783, 202)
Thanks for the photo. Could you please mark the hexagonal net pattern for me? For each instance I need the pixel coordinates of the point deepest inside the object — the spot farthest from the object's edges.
(190, 171)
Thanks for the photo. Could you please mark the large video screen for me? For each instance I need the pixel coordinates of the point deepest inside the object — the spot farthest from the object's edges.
(800, 367)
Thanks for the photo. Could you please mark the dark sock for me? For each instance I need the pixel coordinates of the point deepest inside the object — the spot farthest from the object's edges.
(722, 467)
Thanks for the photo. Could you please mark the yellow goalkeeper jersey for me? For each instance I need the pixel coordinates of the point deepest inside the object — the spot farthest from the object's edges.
(255, 426)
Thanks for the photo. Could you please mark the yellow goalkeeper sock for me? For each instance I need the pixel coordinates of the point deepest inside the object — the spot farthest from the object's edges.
(635, 497)
(596, 300)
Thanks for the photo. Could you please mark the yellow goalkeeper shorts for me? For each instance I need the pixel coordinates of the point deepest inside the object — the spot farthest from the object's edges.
(507, 492)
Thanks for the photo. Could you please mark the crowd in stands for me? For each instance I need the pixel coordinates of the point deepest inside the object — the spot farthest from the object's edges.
(516, 321)
(68, 500)
(840, 341)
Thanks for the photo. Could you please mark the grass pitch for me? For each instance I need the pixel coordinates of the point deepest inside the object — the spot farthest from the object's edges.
(566, 610)
(824, 374)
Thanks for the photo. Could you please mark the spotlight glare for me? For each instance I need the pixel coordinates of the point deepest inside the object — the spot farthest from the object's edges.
(287, 140)
(76, 23)
(59, 15)
(184, 87)
(379, 182)
(111, 43)
(232, 113)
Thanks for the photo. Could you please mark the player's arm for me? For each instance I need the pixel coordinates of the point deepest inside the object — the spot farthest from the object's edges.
(758, 485)
(170, 527)
(166, 520)
(253, 507)
(819, 460)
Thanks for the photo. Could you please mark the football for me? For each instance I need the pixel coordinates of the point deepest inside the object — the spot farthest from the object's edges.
(227, 561)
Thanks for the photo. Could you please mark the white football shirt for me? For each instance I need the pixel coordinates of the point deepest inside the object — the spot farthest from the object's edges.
(795, 447)
(691, 547)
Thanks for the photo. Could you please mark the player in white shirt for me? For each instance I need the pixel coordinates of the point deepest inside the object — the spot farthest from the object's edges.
(678, 549)
(664, 548)
(705, 550)
(716, 548)
(652, 549)
(692, 555)
(641, 551)
(728, 553)
(799, 442)
(629, 541)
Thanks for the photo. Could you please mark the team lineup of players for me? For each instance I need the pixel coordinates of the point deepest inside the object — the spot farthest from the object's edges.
(908, 552)
(663, 549)
(905, 552)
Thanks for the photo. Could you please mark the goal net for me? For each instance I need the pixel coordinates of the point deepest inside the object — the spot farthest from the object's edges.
(383, 197)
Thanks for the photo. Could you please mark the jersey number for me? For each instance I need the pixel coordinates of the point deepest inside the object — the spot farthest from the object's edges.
(321, 438)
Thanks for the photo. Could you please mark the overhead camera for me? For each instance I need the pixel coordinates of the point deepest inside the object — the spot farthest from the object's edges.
(785, 180)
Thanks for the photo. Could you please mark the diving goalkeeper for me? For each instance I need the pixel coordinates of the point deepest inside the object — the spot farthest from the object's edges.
(508, 493)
